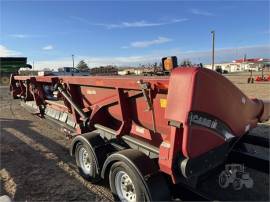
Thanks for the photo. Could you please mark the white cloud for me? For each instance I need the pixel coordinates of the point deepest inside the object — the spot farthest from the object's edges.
(226, 54)
(144, 44)
(5, 52)
(20, 36)
(24, 36)
(47, 48)
(200, 12)
(134, 24)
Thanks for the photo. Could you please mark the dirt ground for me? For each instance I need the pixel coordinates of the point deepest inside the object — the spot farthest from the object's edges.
(35, 161)
(36, 165)
(257, 89)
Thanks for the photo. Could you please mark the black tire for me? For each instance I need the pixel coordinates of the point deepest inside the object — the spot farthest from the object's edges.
(92, 174)
(138, 186)
(224, 179)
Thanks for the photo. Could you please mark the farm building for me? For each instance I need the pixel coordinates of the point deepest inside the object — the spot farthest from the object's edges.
(242, 65)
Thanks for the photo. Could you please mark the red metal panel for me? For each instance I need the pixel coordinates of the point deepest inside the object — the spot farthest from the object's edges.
(202, 90)
(229, 104)
(180, 94)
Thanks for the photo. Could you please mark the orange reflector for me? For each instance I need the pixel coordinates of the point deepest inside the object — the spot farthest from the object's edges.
(168, 64)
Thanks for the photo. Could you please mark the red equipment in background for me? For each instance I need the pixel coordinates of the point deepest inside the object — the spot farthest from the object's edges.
(180, 126)
(263, 77)
(259, 78)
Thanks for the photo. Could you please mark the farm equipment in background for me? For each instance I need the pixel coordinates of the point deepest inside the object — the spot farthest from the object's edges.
(167, 65)
(263, 77)
(258, 78)
(147, 133)
(11, 65)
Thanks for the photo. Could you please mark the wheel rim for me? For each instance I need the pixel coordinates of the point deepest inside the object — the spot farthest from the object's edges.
(124, 187)
(85, 161)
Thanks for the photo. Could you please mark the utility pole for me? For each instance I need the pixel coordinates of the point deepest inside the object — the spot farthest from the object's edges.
(33, 65)
(213, 49)
(73, 60)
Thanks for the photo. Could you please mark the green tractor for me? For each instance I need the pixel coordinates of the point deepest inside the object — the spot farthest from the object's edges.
(11, 65)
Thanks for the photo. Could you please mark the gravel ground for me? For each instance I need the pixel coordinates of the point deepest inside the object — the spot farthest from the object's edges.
(35, 161)
(36, 166)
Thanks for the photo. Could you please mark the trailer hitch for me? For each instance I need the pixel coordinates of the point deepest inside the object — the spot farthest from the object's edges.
(146, 90)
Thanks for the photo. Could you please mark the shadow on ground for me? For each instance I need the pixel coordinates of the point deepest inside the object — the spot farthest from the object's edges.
(34, 167)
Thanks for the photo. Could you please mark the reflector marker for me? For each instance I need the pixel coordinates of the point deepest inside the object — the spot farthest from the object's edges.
(163, 103)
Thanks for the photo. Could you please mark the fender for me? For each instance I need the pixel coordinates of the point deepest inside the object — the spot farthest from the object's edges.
(145, 167)
(97, 145)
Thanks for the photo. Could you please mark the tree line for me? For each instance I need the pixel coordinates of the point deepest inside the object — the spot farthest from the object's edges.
(82, 65)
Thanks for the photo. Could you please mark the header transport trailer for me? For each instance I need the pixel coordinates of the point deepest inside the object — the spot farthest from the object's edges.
(147, 133)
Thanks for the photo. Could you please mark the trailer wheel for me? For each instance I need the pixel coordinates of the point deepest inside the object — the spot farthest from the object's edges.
(86, 162)
(125, 183)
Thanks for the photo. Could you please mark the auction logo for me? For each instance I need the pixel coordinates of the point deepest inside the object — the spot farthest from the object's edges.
(235, 174)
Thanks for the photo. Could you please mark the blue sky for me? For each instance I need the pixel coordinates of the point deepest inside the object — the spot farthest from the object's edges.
(130, 32)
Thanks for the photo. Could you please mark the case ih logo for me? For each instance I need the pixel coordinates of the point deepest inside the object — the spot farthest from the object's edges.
(207, 121)
(235, 174)
(200, 120)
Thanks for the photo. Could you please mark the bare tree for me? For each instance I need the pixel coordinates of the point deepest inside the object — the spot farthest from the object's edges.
(185, 63)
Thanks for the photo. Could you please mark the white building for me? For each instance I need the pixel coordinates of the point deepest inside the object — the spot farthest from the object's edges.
(128, 71)
(230, 67)
(241, 65)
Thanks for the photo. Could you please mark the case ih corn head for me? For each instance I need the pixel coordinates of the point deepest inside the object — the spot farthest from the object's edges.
(145, 134)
